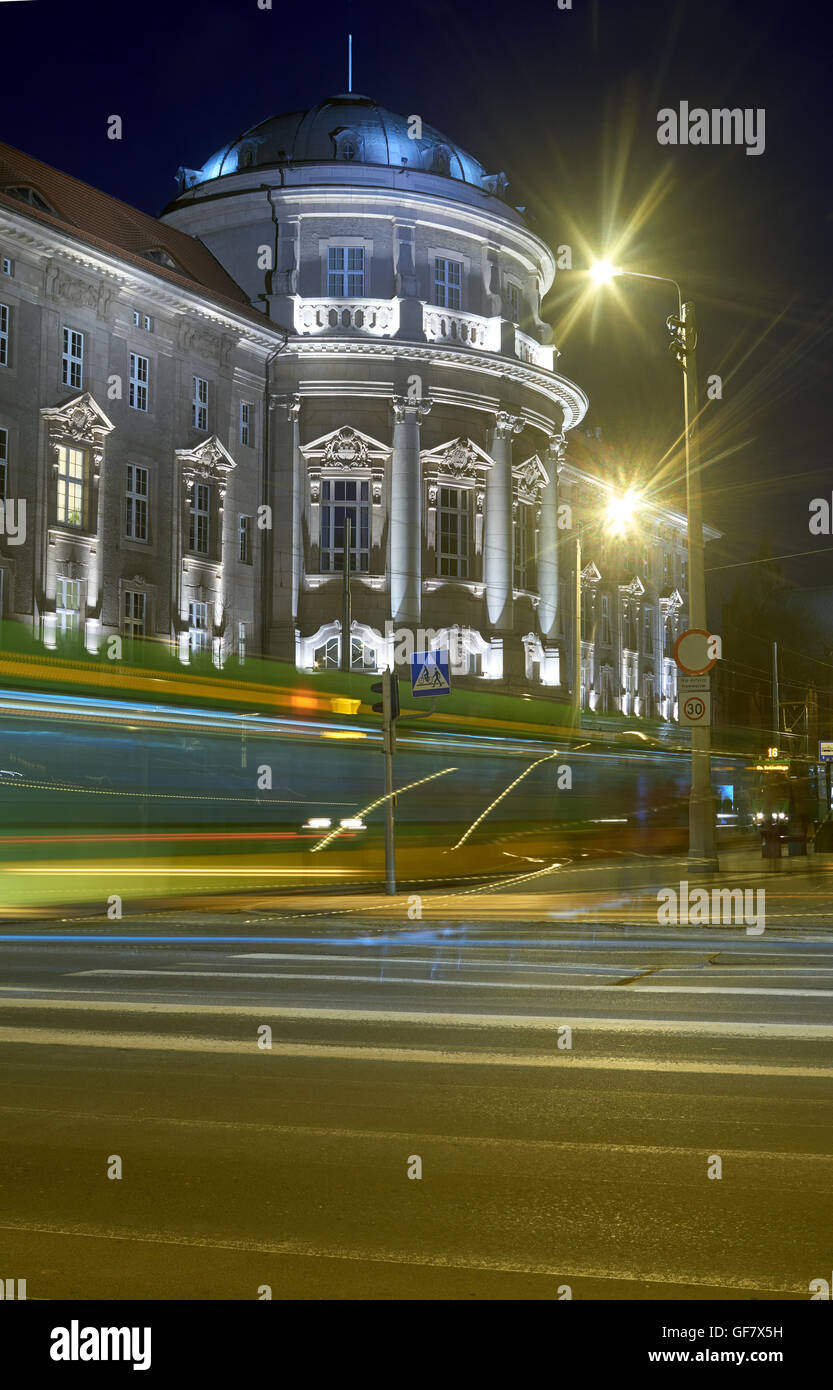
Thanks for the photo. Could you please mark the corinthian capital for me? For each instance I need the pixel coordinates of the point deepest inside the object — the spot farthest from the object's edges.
(415, 405)
(506, 425)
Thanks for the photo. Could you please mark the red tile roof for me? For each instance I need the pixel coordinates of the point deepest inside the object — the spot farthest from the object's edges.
(108, 223)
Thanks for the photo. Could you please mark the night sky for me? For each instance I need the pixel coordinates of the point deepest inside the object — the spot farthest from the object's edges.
(565, 102)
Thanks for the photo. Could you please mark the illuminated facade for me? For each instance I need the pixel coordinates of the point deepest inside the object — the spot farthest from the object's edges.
(338, 316)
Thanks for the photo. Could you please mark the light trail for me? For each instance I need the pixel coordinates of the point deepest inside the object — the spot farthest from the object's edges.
(379, 802)
(503, 794)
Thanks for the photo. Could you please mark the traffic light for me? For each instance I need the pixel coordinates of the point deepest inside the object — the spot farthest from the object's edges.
(680, 339)
(388, 688)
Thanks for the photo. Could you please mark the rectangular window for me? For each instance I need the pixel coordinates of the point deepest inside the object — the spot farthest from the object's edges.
(199, 404)
(72, 485)
(139, 378)
(345, 272)
(448, 283)
(341, 499)
(245, 540)
(683, 574)
(513, 300)
(246, 430)
(666, 569)
(147, 322)
(241, 643)
(72, 359)
(646, 562)
(68, 604)
(521, 550)
(5, 265)
(4, 463)
(605, 618)
(133, 613)
(143, 321)
(4, 335)
(453, 533)
(198, 626)
(649, 632)
(136, 498)
(137, 318)
(200, 518)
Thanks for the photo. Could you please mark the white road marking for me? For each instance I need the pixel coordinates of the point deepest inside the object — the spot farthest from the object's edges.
(647, 988)
(306, 1250)
(678, 1026)
(567, 1060)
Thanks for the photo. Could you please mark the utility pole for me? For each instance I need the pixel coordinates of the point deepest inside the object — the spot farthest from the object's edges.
(702, 853)
(388, 707)
(346, 601)
(776, 698)
(577, 639)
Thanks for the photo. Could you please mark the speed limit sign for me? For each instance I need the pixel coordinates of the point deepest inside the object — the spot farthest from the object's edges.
(695, 709)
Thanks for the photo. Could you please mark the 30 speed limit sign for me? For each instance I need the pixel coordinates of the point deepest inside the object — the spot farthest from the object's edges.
(695, 709)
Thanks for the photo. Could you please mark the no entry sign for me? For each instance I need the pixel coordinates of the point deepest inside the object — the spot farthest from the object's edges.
(692, 651)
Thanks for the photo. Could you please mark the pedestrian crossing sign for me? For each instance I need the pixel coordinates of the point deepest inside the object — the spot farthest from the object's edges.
(430, 673)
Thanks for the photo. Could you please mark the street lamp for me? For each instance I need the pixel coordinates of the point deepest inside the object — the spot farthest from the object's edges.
(683, 329)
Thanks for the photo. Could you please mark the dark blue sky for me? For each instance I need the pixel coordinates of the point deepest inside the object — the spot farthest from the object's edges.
(565, 101)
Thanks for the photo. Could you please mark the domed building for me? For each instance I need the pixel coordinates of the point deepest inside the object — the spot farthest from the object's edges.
(336, 320)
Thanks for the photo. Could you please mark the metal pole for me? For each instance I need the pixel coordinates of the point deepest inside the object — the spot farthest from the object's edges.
(577, 635)
(701, 844)
(346, 607)
(776, 699)
(390, 844)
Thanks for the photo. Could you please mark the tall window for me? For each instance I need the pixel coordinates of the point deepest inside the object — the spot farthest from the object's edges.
(666, 569)
(513, 300)
(646, 561)
(241, 643)
(134, 611)
(4, 463)
(199, 404)
(72, 486)
(345, 272)
(245, 540)
(522, 549)
(340, 499)
(683, 573)
(605, 618)
(5, 265)
(139, 378)
(453, 533)
(4, 335)
(448, 282)
(648, 647)
(68, 604)
(72, 359)
(669, 638)
(136, 498)
(246, 430)
(200, 518)
(197, 626)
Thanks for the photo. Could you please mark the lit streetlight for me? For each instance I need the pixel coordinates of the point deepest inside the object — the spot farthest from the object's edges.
(702, 853)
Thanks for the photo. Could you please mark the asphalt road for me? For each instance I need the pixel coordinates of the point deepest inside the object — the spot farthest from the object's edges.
(544, 1167)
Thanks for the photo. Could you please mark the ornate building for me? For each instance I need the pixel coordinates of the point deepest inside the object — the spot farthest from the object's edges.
(338, 316)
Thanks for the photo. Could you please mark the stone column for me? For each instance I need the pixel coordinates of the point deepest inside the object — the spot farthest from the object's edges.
(405, 564)
(286, 502)
(497, 540)
(548, 542)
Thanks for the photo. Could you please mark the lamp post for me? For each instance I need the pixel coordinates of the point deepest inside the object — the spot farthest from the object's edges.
(702, 853)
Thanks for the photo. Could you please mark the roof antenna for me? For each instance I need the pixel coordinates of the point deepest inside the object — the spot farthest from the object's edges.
(349, 62)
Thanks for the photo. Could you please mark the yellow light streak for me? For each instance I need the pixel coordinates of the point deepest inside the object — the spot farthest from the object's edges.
(504, 793)
(380, 802)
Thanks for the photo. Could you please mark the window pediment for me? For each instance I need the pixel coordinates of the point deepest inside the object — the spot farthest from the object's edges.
(209, 460)
(459, 462)
(80, 419)
(531, 478)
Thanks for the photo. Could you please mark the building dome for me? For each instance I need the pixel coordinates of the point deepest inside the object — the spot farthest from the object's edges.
(349, 128)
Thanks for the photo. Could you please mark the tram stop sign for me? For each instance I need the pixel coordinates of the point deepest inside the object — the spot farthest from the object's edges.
(691, 651)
